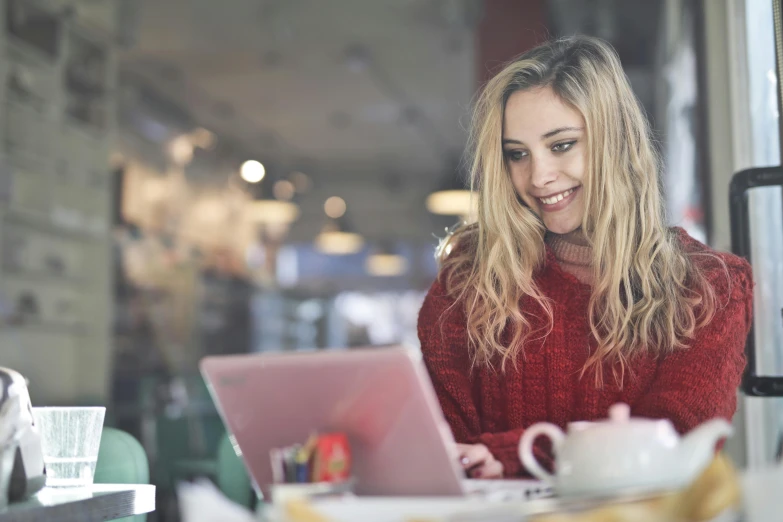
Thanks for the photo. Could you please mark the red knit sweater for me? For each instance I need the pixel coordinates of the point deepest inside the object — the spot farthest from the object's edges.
(490, 407)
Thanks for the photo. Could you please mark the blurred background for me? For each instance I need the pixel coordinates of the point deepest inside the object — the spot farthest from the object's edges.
(189, 177)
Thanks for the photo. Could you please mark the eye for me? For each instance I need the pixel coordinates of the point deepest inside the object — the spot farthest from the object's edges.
(515, 155)
(564, 146)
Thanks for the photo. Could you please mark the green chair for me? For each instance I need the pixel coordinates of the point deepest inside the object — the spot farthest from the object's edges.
(232, 478)
(193, 443)
(121, 460)
(186, 448)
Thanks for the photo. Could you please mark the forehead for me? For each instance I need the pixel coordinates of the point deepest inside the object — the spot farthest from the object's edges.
(531, 113)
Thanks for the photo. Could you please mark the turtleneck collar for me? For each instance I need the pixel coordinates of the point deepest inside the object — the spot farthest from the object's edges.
(573, 254)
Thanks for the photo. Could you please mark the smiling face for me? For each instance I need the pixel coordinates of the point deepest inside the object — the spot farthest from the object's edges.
(544, 145)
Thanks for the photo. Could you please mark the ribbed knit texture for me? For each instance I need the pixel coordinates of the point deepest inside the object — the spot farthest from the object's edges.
(487, 406)
(574, 258)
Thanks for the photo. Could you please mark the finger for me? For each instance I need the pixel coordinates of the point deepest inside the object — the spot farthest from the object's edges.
(493, 470)
(475, 455)
(474, 471)
(463, 448)
(490, 469)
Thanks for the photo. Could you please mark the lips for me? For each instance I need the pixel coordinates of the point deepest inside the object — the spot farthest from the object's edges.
(556, 198)
(559, 201)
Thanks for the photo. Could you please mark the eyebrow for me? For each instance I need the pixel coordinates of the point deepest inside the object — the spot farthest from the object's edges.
(548, 135)
(558, 131)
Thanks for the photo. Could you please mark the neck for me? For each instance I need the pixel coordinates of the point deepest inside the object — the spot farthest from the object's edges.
(575, 237)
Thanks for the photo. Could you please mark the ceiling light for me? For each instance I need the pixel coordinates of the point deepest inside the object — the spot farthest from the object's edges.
(452, 198)
(339, 243)
(386, 265)
(300, 180)
(457, 202)
(252, 171)
(385, 262)
(334, 207)
(337, 239)
(203, 138)
(273, 212)
(181, 150)
(284, 190)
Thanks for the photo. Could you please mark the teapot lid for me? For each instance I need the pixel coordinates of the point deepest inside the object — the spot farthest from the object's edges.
(620, 418)
(620, 412)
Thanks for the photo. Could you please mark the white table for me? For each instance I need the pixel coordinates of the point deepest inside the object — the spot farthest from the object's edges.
(97, 503)
(404, 509)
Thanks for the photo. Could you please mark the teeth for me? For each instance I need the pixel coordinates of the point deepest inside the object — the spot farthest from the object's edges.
(557, 197)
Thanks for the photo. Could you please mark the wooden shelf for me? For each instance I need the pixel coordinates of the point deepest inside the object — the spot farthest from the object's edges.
(46, 327)
(43, 276)
(45, 225)
(58, 217)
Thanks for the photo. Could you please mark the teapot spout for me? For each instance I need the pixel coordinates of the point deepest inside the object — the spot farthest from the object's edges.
(697, 448)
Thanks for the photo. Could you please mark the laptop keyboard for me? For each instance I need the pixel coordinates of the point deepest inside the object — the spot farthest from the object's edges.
(507, 490)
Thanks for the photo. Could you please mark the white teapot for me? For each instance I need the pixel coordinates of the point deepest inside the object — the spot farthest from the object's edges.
(622, 454)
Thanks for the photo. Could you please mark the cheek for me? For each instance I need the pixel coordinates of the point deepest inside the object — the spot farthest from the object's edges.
(576, 167)
(519, 179)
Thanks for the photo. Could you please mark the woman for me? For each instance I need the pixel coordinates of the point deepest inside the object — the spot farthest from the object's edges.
(570, 293)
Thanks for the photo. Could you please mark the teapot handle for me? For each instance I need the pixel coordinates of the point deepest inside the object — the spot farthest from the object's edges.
(526, 449)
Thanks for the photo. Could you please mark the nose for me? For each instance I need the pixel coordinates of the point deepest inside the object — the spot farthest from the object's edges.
(543, 172)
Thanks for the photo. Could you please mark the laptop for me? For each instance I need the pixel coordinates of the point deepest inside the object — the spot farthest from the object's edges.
(381, 398)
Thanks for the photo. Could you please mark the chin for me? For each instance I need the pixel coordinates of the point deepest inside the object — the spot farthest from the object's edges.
(562, 228)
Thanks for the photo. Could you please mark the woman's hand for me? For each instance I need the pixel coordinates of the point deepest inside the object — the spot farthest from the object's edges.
(478, 462)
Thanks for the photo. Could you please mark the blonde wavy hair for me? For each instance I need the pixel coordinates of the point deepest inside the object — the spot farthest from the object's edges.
(647, 295)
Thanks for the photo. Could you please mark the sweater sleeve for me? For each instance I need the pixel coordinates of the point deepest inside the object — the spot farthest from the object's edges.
(444, 346)
(505, 447)
(700, 382)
